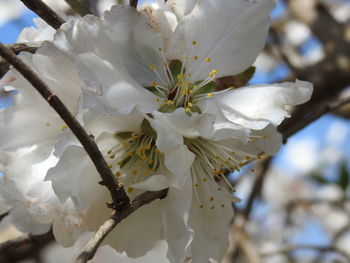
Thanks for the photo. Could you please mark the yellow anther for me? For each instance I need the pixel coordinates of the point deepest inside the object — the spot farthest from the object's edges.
(130, 189)
(154, 84)
(200, 206)
(125, 144)
(153, 67)
(63, 127)
(212, 207)
(189, 74)
(134, 172)
(209, 95)
(252, 170)
(187, 109)
(194, 42)
(158, 100)
(112, 156)
(131, 154)
(190, 104)
(247, 158)
(231, 87)
(160, 49)
(241, 164)
(186, 57)
(117, 174)
(196, 185)
(195, 87)
(207, 60)
(109, 152)
(204, 179)
(170, 102)
(211, 199)
(222, 205)
(195, 58)
(149, 161)
(190, 91)
(148, 146)
(110, 166)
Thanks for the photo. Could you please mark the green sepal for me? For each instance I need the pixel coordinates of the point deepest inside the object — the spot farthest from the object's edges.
(175, 67)
(166, 108)
(208, 88)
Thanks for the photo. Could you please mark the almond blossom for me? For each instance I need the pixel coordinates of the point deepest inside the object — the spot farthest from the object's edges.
(145, 87)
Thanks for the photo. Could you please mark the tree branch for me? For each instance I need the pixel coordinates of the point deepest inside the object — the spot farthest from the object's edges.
(290, 247)
(119, 197)
(45, 12)
(91, 247)
(298, 126)
(133, 3)
(23, 245)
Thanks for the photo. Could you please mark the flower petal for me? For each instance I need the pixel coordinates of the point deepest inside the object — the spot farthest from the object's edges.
(232, 35)
(178, 234)
(257, 106)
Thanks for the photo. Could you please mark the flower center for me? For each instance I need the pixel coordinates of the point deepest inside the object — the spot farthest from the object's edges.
(178, 89)
(134, 158)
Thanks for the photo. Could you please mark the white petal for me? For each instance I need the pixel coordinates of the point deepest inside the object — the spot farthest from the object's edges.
(116, 90)
(232, 33)
(176, 213)
(257, 106)
(188, 126)
(153, 183)
(178, 161)
(181, 7)
(210, 225)
(75, 176)
(136, 234)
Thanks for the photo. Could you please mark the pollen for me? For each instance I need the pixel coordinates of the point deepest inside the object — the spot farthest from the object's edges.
(117, 174)
(207, 60)
(209, 95)
(194, 43)
(187, 109)
(190, 104)
(153, 67)
(154, 84)
(63, 127)
(170, 102)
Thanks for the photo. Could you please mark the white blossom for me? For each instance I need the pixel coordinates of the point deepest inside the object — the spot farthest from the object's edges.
(147, 90)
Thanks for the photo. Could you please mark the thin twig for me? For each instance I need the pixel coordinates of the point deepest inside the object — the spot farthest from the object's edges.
(133, 3)
(45, 12)
(257, 187)
(119, 197)
(290, 247)
(314, 116)
(19, 47)
(91, 247)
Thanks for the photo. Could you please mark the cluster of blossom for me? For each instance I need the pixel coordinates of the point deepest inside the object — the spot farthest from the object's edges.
(144, 84)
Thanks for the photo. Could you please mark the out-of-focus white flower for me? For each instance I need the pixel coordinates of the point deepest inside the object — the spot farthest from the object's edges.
(10, 10)
(337, 133)
(55, 253)
(265, 62)
(149, 99)
(303, 154)
(296, 32)
(33, 205)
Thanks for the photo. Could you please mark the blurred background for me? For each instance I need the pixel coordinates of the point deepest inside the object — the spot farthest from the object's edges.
(295, 206)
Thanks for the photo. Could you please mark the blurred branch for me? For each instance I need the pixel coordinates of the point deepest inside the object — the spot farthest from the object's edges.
(25, 246)
(119, 197)
(91, 247)
(257, 186)
(45, 12)
(311, 117)
(2, 216)
(133, 3)
(290, 247)
(79, 7)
